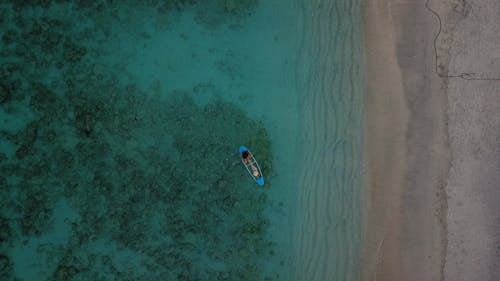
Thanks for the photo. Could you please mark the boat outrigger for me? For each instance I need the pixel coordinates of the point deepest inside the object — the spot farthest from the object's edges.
(251, 165)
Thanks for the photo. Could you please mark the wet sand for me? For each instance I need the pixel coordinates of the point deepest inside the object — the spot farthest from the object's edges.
(386, 121)
(432, 140)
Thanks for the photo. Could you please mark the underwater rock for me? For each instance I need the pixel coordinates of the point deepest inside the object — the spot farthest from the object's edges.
(27, 137)
(10, 36)
(72, 52)
(64, 272)
(33, 3)
(215, 13)
(9, 69)
(52, 39)
(30, 133)
(4, 94)
(65, 158)
(229, 6)
(85, 119)
(48, 135)
(5, 230)
(45, 101)
(26, 149)
(37, 214)
(5, 264)
(36, 30)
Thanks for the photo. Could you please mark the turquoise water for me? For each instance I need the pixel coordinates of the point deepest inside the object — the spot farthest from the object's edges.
(329, 225)
(120, 127)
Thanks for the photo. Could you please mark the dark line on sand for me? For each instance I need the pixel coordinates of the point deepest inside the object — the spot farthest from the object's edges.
(464, 75)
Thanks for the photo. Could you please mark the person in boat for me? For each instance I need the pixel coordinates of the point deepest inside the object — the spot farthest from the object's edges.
(247, 159)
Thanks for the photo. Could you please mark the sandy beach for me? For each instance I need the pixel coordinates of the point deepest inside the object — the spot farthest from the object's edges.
(432, 123)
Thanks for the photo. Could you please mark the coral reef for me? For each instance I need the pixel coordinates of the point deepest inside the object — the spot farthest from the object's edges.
(5, 267)
(155, 180)
(4, 94)
(5, 230)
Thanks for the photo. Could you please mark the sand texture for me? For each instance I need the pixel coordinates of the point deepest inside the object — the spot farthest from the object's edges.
(473, 186)
(432, 170)
(386, 119)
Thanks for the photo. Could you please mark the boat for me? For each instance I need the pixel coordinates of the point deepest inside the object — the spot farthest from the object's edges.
(252, 166)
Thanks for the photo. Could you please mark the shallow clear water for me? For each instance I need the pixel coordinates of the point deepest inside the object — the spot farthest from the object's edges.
(331, 84)
(120, 127)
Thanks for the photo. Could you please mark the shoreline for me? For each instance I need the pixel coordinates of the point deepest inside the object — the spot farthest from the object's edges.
(435, 216)
(407, 146)
(385, 169)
